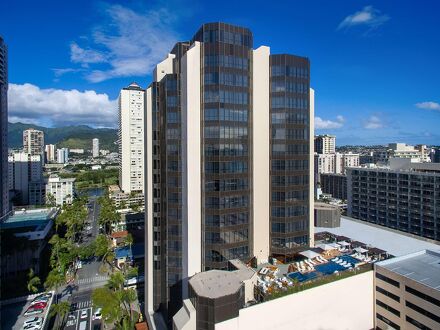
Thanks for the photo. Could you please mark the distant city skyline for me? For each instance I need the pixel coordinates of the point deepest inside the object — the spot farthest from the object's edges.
(375, 68)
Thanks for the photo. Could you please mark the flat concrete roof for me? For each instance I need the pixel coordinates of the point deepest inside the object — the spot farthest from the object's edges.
(215, 283)
(422, 267)
(394, 242)
(325, 206)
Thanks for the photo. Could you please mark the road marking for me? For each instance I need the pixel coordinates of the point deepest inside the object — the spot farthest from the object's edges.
(92, 279)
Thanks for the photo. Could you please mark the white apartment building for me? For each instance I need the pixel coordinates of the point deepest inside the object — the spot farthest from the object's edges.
(342, 161)
(325, 163)
(325, 144)
(50, 152)
(62, 189)
(23, 168)
(33, 142)
(62, 156)
(131, 139)
(335, 163)
(95, 148)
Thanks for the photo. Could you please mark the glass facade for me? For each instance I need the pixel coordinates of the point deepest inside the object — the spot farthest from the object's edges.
(289, 113)
(226, 164)
(226, 121)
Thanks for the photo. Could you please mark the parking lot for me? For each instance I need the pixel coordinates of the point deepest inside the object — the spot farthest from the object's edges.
(82, 319)
(12, 315)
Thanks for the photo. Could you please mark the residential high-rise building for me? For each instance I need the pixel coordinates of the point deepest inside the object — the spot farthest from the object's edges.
(33, 142)
(95, 148)
(131, 139)
(229, 140)
(334, 184)
(402, 196)
(4, 196)
(23, 169)
(325, 144)
(62, 155)
(62, 189)
(50, 152)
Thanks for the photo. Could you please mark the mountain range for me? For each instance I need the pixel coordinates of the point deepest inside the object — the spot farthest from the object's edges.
(78, 136)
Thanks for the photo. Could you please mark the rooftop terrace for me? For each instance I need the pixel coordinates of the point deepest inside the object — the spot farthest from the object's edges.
(29, 218)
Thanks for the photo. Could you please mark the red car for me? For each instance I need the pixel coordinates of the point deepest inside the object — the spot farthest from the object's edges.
(40, 305)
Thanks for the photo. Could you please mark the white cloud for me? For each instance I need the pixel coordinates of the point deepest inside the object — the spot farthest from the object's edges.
(374, 122)
(58, 72)
(29, 103)
(368, 16)
(329, 124)
(129, 43)
(85, 56)
(428, 105)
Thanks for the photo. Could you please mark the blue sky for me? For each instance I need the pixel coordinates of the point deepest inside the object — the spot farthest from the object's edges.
(374, 64)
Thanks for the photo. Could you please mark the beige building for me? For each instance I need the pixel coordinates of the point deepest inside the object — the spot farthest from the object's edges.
(325, 144)
(33, 142)
(407, 292)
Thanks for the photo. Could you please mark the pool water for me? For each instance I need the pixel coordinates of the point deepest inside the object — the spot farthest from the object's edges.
(302, 277)
(349, 259)
(329, 268)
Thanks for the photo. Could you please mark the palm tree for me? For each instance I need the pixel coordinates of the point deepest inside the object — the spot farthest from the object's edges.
(54, 280)
(33, 281)
(60, 310)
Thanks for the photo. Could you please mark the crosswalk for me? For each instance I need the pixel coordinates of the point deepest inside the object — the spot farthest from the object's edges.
(92, 279)
(81, 305)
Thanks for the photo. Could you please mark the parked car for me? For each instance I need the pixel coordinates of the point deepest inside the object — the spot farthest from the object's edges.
(97, 315)
(32, 326)
(39, 305)
(84, 313)
(33, 311)
(41, 299)
(46, 295)
(33, 320)
(79, 265)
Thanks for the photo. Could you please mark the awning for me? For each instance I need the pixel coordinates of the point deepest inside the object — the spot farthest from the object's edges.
(360, 250)
(326, 247)
(334, 245)
(344, 243)
(309, 254)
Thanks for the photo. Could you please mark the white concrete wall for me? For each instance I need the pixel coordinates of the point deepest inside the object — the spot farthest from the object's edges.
(312, 168)
(261, 153)
(344, 304)
(191, 166)
(163, 68)
(148, 179)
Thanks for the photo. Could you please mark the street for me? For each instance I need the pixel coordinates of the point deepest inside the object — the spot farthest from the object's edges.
(88, 278)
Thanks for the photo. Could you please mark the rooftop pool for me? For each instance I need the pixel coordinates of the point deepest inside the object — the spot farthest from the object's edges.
(29, 218)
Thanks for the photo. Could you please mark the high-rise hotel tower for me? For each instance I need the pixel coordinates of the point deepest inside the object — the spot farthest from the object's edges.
(228, 154)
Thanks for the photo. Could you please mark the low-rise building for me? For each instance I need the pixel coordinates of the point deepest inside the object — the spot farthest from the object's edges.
(327, 215)
(121, 199)
(407, 292)
(62, 189)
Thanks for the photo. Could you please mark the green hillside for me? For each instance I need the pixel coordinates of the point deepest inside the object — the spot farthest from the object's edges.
(68, 136)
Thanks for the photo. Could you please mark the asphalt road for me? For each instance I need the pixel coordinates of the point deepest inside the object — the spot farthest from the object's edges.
(88, 278)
